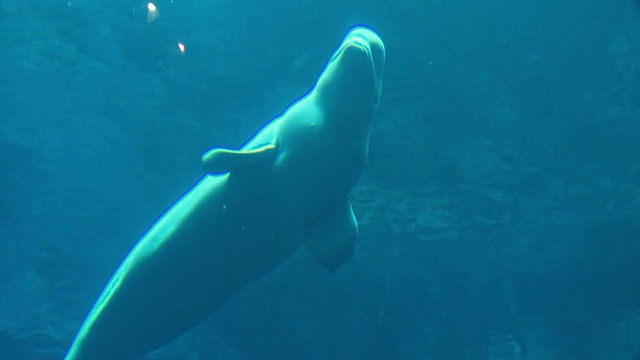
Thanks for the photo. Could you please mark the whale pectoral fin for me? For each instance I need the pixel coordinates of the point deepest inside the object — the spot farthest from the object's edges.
(221, 160)
(331, 237)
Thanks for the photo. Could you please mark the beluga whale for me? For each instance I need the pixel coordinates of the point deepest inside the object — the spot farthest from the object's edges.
(286, 187)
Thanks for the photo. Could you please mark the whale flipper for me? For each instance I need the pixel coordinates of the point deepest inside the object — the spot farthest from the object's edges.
(221, 160)
(331, 237)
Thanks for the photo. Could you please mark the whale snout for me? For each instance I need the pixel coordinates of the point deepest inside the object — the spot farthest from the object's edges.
(367, 40)
(353, 75)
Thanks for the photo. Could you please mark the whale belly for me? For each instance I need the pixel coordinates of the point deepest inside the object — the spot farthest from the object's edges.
(199, 253)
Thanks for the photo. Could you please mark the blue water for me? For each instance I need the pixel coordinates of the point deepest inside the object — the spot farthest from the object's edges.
(499, 209)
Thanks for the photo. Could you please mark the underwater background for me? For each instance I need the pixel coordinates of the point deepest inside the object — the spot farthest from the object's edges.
(499, 209)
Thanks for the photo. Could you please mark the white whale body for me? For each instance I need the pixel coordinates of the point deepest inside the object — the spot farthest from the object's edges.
(254, 207)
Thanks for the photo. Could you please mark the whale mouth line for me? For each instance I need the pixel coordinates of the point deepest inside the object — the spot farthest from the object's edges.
(354, 40)
(358, 41)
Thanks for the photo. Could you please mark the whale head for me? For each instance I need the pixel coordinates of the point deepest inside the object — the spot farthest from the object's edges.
(351, 83)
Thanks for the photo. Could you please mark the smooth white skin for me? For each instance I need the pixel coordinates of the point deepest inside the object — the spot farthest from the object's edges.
(231, 229)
